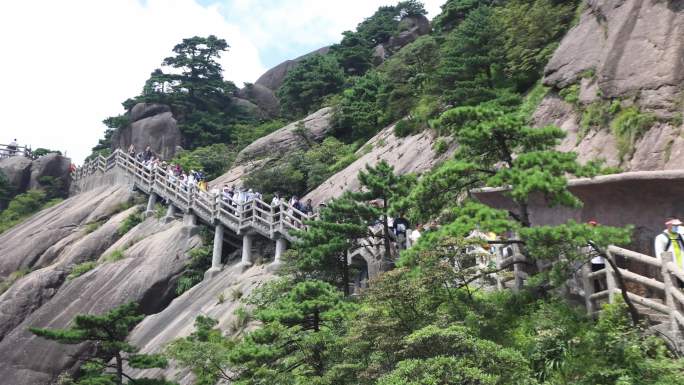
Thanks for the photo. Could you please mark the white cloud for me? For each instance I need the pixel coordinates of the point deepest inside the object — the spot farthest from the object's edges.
(69, 64)
(66, 65)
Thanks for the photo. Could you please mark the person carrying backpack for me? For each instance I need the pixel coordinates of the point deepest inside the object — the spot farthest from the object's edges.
(670, 240)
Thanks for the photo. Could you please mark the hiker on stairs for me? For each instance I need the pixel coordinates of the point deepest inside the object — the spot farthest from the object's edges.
(671, 240)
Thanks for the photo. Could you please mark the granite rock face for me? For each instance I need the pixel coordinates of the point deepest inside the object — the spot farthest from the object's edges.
(33, 244)
(412, 27)
(289, 138)
(263, 97)
(151, 125)
(412, 154)
(626, 50)
(632, 48)
(273, 78)
(17, 170)
(52, 165)
(154, 256)
(177, 320)
(24, 174)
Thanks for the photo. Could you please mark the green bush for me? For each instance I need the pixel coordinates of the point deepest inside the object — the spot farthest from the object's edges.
(406, 127)
(440, 146)
(90, 227)
(306, 86)
(595, 115)
(199, 262)
(214, 159)
(628, 126)
(114, 256)
(130, 222)
(22, 206)
(570, 93)
(81, 269)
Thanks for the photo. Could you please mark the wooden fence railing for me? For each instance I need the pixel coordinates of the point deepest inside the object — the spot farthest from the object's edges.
(240, 217)
(8, 151)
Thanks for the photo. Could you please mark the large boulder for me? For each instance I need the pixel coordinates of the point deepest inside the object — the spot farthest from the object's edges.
(153, 126)
(146, 110)
(249, 108)
(411, 27)
(628, 48)
(50, 165)
(262, 96)
(17, 170)
(273, 78)
(291, 137)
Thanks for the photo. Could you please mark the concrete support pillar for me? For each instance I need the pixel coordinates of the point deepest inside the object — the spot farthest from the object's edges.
(189, 219)
(218, 247)
(216, 256)
(280, 248)
(247, 249)
(170, 213)
(151, 201)
(190, 227)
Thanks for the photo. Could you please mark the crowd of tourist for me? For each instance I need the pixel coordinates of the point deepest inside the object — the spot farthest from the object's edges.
(195, 181)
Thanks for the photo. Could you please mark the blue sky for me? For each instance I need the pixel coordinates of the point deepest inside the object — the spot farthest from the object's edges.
(75, 61)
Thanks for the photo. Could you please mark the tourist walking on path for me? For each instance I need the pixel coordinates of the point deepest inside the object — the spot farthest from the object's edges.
(670, 240)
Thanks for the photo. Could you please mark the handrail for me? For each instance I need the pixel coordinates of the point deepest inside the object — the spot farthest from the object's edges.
(253, 215)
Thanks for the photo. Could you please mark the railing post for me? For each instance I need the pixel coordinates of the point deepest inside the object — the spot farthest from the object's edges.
(518, 272)
(588, 285)
(665, 259)
(497, 275)
(610, 277)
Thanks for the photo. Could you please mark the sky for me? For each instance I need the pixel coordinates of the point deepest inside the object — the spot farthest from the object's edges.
(68, 64)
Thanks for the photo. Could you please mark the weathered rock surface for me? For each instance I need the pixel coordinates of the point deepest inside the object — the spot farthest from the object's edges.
(35, 240)
(177, 320)
(155, 255)
(659, 148)
(52, 165)
(412, 154)
(154, 126)
(17, 170)
(146, 110)
(250, 108)
(263, 97)
(273, 78)
(24, 174)
(288, 138)
(631, 48)
(412, 27)
(628, 50)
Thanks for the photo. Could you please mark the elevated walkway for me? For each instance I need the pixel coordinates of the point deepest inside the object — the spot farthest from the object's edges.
(245, 219)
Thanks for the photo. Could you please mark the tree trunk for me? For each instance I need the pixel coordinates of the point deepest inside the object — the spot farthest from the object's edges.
(119, 369)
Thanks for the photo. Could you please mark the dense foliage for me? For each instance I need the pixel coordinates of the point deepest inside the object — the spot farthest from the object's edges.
(306, 86)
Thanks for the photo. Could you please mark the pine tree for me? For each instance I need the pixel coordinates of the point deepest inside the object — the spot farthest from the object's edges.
(108, 334)
(346, 224)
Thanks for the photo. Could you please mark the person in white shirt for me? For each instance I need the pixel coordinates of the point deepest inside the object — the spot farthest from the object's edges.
(415, 235)
(276, 200)
(671, 240)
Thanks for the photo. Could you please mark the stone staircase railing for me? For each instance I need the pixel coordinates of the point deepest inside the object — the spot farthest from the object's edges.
(242, 218)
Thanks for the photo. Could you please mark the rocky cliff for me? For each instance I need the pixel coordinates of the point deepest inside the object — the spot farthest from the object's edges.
(623, 55)
(141, 266)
